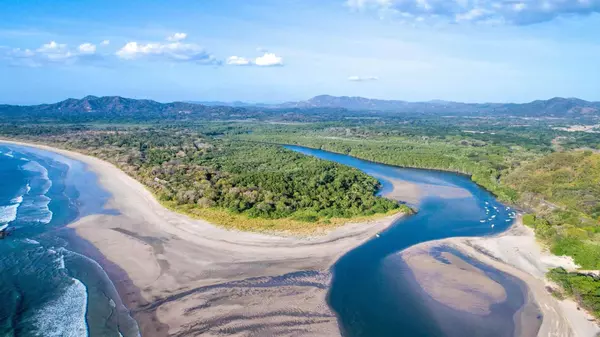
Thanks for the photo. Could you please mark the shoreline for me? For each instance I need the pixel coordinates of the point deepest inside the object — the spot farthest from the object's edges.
(172, 259)
(179, 264)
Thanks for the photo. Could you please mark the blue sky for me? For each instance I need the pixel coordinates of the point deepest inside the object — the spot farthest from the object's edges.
(281, 50)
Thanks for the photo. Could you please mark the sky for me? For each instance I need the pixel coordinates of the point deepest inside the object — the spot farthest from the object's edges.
(286, 50)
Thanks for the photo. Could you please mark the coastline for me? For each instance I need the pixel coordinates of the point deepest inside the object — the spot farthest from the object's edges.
(171, 259)
(167, 266)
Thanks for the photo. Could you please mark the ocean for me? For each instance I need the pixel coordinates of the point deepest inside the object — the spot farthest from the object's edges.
(49, 288)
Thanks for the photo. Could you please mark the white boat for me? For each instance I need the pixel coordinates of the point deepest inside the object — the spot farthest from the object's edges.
(482, 221)
(493, 225)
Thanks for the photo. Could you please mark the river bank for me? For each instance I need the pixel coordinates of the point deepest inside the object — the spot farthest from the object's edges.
(180, 265)
(517, 253)
(181, 276)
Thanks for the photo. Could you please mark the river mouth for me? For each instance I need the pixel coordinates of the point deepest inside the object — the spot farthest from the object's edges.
(375, 293)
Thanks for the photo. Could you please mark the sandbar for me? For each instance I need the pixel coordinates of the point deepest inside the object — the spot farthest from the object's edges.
(196, 278)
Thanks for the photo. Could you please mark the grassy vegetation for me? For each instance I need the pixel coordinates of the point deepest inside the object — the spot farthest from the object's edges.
(290, 225)
(564, 190)
(585, 289)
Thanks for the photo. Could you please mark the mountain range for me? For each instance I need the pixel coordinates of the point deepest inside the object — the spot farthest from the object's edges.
(92, 108)
(555, 107)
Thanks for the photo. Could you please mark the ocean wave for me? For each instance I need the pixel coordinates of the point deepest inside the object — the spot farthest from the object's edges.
(35, 167)
(9, 154)
(8, 213)
(31, 241)
(36, 209)
(64, 316)
(60, 260)
(16, 200)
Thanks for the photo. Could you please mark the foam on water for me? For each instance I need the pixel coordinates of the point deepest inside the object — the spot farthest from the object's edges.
(8, 213)
(35, 209)
(31, 241)
(34, 166)
(64, 316)
(17, 200)
(60, 260)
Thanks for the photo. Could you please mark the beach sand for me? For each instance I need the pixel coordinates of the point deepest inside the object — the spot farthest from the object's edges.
(517, 253)
(188, 277)
(454, 282)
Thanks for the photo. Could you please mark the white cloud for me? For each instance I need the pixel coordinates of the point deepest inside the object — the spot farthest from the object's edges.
(105, 43)
(52, 53)
(52, 47)
(268, 60)
(238, 61)
(172, 51)
(362, 79)
(516, 12)
(177, 37)
(87, 48)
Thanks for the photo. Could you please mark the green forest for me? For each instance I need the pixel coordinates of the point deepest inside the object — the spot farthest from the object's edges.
(187, 170)
(237, 174)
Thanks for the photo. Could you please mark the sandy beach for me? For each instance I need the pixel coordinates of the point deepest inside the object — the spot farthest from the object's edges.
(186, 277)
(243, 282)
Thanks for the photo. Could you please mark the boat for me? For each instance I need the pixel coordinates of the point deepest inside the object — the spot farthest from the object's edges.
(493, 225)
(482, 221)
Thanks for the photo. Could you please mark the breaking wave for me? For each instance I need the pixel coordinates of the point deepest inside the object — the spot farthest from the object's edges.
(8, 213)
(64, 316)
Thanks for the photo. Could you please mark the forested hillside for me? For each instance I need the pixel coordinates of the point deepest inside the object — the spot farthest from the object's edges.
(564, 191)
(216, 178)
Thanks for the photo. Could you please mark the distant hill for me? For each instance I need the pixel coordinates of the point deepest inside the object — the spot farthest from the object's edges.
(555, 107)
(91, 108)
(324, 107)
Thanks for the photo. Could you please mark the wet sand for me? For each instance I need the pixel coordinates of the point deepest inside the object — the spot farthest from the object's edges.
(196, 278)
(517, 253)
(453, 282)
(188, 277)
(464, 296)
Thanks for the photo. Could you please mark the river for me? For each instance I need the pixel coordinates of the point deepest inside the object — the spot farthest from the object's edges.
(372, 299)
(369, 297)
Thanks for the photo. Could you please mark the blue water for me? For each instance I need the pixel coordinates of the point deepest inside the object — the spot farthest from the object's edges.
(373, 297)
(47, 288)
(50, 288)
